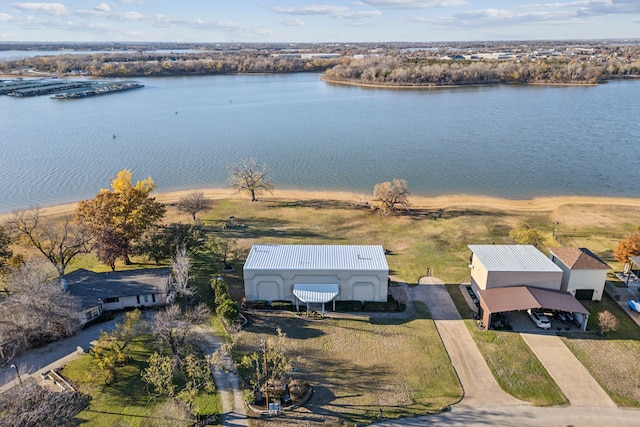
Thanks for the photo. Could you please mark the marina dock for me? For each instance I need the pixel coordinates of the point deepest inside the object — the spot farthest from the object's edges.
(63, 89)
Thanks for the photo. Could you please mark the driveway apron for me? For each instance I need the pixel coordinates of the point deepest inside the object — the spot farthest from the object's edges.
(479, 384)
(566, 370)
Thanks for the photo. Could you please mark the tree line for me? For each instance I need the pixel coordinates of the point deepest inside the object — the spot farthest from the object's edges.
(407, 71)
(166, 64)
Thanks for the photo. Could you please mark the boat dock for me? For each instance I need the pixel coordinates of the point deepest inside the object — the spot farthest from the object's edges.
(63, 89)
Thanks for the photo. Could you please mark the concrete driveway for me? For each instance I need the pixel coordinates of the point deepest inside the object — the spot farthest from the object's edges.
(566, 370)
(479, 384)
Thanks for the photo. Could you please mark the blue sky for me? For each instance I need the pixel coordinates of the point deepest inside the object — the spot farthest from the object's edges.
(317, 21)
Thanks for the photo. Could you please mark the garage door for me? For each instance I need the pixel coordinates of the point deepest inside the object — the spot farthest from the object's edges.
(363, 291)
(584, 294)
(268, 291)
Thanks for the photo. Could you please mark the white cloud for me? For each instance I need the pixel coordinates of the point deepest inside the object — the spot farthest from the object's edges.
(129, 1)
(292, 22)
(102, 7)
(334, 11)
(5, 17)
(316, 9)
(56, 9)
(608, 7)
(414, 4)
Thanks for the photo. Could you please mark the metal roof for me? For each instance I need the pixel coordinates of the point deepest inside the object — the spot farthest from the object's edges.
(518, 298)
(520, 258)
(316, 293)
(316, 257)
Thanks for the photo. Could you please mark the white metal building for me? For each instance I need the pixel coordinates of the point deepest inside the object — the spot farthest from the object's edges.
(337, 272)
(498, 266)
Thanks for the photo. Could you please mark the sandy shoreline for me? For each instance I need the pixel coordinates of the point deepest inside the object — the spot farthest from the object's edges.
(539, 204)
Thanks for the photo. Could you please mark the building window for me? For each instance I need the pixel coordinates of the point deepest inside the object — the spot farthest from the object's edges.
(111, 300)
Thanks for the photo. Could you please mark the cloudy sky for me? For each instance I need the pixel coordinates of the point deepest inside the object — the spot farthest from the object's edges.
(317, 21)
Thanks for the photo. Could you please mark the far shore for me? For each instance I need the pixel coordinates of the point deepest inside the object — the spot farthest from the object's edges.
(538, 204)
(438, 86)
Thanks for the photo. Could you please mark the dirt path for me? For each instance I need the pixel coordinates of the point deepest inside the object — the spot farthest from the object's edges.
(233, 407)
(479, 384)
(566, 370)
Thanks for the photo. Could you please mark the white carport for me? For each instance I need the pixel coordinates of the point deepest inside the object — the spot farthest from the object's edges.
(315, 294)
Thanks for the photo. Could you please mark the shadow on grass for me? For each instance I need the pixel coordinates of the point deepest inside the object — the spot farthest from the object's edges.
(320, 204)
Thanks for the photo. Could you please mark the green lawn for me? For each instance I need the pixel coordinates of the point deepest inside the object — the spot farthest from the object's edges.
(126, 402)
(358, 367)
(613, 360)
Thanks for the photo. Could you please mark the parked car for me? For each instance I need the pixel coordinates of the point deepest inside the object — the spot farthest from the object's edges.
(540, 320)
(562, 317)
(577, 318)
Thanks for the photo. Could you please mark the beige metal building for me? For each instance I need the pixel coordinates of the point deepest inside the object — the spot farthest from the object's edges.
(337, 272)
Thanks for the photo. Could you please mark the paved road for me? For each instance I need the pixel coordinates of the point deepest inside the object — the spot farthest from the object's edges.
(566, 370)
(479, 384)
(516, 415)
(52, 356)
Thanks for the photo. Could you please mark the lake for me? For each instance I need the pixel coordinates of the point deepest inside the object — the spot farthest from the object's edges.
(506, 141)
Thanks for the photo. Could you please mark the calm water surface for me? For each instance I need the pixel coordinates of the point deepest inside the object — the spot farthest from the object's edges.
(508, 141)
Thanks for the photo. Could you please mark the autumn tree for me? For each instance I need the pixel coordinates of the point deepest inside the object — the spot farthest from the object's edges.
(608, 322)
(194, 203)
(391, 196)
(628, 247)
(58, 241)
(523, 234)
(250, 177)
(119, 216)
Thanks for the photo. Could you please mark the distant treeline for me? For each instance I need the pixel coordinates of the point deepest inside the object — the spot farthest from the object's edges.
(392, 68)
(402, 71)
(160, 64)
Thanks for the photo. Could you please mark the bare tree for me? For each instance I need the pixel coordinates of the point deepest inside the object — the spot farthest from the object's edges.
(39, 309)
(194, 203)
(180, 266)
(173, 326)
(250, 177)
(391, 196)
(608, 322)
(60, 242)
(39, 407)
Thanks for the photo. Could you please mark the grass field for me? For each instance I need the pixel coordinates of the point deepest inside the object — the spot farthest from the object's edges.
(348, 360)
(613, 360)
(358, 367)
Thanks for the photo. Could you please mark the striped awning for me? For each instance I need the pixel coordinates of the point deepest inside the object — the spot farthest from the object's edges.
(316, 293)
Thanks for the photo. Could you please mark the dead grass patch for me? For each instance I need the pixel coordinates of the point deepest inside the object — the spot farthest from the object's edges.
(358, 367)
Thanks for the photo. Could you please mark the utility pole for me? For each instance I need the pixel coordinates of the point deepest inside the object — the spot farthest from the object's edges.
(18, 375)
(266, 372)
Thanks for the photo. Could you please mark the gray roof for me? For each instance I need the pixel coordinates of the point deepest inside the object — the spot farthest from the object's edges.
(88, 286)
(521, 258)
(316, 257)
